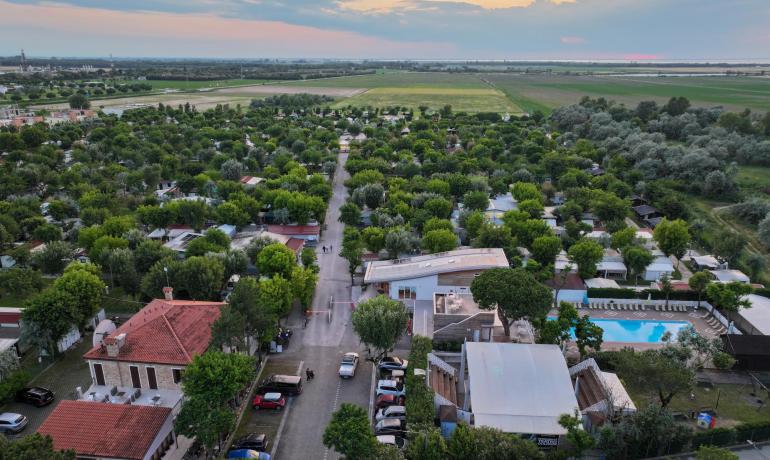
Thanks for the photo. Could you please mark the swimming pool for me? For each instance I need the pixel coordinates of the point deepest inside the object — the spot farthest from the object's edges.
(638, 330)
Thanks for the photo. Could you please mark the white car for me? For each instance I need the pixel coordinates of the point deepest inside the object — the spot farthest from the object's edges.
(392, 440)
(390, 387)
(348, 365)
(398, 412)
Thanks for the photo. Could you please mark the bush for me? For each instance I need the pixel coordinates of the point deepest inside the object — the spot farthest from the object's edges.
(448, 346)
(419, 397)
(610, 293)
(717, 437)
(11, 385)
(755, 431)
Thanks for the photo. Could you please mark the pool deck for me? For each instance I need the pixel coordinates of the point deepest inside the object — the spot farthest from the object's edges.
(696, 318)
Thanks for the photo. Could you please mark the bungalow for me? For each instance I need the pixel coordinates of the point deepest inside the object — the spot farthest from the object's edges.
(601, 395)
(611, 265)
(309, 233)
(498, 206)
(601, 283)
(181, 242)
(169, 233)
(660, 266)
(588, 219)
(645, 211)
(142, 361)
(110, 431)
(419, 278)
(562, 261)
(571, 288)
(707, 262)
(730, 276)
(250, 182)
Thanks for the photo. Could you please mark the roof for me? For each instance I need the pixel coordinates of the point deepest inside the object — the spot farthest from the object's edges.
(759, 313)
(121, 431)
(294, 229)
(620, 397)
(601, 283)
(661, 264)
(573, 282)
(434, 264)
(10, 315)
(706, 261)
(295, 244)
(645, 210)
(503, 203)
(164, 332)
(730, 275)
(250, 180)
(519, 388)
(747, 345)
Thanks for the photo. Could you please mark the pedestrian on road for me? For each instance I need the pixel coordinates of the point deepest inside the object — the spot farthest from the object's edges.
(331, 248)
(307, 373)
(324, 249)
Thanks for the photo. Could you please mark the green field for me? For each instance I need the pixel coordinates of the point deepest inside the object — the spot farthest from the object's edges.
(470, 100)
(195, 85)
(543, 91)
(754, 179)
(398, 80)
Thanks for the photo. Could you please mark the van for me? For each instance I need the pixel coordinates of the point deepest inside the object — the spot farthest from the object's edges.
(284, 384)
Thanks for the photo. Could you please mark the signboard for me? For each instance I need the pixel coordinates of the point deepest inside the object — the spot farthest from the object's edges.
(547, 442)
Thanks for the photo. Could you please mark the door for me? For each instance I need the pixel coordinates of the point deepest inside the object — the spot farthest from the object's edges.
(151, 380)
(99, 374)
(135, 381)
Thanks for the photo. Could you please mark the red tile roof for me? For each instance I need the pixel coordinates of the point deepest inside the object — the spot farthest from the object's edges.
(294, 229)
(295, 244)
(94, 429)
(164, 332)
(10, 317)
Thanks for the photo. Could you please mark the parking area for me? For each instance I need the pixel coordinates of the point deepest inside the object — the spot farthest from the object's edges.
(268, 422)
(62, 377)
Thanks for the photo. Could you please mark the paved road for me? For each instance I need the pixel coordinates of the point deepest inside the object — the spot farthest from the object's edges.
(321, 345)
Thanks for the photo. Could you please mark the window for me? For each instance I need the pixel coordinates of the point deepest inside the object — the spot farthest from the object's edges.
(406, 292)
(135, 381)
(177, 375)
(152, 382)
(98, 374)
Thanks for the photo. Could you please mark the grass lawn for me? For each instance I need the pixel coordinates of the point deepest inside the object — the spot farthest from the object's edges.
(735, 404)
(8, 300)
(753, 178)
(461, 99)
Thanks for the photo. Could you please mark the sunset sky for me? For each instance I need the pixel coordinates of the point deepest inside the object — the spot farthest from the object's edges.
(390, 29)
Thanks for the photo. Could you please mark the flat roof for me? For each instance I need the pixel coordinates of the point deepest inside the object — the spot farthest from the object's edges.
(759, 313)
(519, 388)
(604, 283)
(728, 276)
(434, 264)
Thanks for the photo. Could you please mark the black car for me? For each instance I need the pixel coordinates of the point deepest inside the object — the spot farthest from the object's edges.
(284, 384)
(37, 396)
(253, 441)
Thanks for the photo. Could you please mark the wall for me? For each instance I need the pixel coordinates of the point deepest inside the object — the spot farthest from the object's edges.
(118, 373)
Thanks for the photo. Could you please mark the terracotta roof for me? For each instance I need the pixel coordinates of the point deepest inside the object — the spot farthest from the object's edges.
(294, 229)
(120, 431)
(164, 332)
(572, 282)
(295, 244)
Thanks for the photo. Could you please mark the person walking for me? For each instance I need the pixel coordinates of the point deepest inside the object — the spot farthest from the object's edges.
(308, 374)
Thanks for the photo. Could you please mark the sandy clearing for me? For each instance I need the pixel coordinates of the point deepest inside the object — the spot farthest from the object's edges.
(281, 89)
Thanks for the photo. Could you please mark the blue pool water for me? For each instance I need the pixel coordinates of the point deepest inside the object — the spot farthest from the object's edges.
(636, 330)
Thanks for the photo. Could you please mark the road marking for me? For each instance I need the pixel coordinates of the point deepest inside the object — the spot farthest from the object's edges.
(283, 416)
(334, 408)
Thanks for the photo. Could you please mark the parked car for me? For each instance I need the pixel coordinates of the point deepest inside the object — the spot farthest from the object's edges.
(383, 401)
(392, 363)
(398, 412)
(37, 396)
(390, 426)
(348, 365)
(274, 401)
(248, 453)
(390, 387)
(392, 440)
(284, 384)
(392, 374)
(12, 423)
(253, 441)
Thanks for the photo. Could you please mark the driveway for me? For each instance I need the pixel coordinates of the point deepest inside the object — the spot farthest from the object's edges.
(321, 345)
(62, 377)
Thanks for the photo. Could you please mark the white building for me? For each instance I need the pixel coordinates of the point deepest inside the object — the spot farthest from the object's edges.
(659, 266)
(418, 278)
(730, 276)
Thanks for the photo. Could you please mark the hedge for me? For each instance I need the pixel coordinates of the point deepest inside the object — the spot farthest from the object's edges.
(610, 293)
(420, 409)
(764, 292)
(11, 385)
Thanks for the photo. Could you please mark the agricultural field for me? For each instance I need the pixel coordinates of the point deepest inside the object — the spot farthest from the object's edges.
(755, 179)
(547, 92)
(182, 85)
(461, 100)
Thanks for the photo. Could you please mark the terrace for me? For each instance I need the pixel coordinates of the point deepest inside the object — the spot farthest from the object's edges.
(135, 396)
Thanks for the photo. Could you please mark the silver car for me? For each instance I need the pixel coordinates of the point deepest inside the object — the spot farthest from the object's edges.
(12, 423)
(349, 365)
(397, 412)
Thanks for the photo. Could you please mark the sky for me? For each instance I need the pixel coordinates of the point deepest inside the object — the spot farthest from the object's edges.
(668, 30)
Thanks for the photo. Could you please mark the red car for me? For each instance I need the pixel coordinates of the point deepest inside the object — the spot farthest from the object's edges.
(274, 401)
(389, 400)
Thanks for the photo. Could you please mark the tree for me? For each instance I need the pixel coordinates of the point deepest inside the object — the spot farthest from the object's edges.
(654, 370)
(494, 236)
(427, 445)
(398, 241)
(148, 252)
(47, 233)
(763, 229)
(200, 277)
(435, 223)
(637, 259)
(714, 453)
(84, 289)
(526, 191)
(256, 246)
(276, 295)
(21, 282)
(303, 281)
(350, 433)
(32, 447)
(666, 287)
(515, 293)
(608, 207)
(650, 432)
(373, 238)
(729, 297)
(439, 241)
(624, 238)
(230, 213)
(586, 254)
(588, 335)
(259, 319)
(546, 248)
(728, 246)
(699, 282)
(53, 258)
(352, 252)
(557, 331)
(217, 377)
(676, 106)
(476, 201)
(50, 315)
(309, 259)
(276, 259)
(79, 101)
(229, 330)
(231, 170)
(579, 439)
(379, 323)
(350, 214)
(484, 443)
(672, 237)
(756, 264)
(204, 421)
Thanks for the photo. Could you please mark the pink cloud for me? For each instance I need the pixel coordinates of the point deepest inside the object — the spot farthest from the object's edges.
(79, 30)
(642, 57)
(573, 40)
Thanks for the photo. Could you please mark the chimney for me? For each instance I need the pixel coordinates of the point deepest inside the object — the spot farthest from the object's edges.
(114, 344)
(168, 293)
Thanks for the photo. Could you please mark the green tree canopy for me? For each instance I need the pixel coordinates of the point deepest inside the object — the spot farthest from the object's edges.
(380, 322)
(586, 254)
(350, 433)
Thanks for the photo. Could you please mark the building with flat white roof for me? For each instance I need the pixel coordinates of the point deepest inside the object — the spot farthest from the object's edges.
(730, 276)
(418, 278)
(518, 388)
(755, 320)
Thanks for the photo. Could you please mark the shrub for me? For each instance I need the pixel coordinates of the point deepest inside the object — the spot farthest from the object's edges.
(419, 397)
(12, 384)
(715, 437)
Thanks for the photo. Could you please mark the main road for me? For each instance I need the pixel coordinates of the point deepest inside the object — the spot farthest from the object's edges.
(321, 345)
